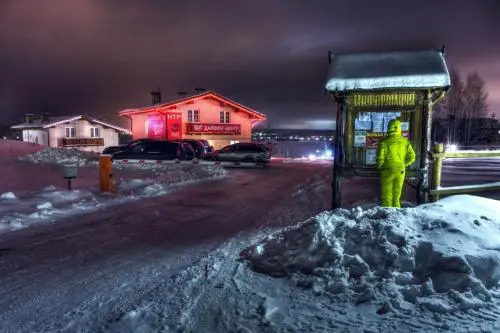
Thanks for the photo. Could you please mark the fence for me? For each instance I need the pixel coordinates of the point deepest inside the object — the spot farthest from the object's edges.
(439, 155)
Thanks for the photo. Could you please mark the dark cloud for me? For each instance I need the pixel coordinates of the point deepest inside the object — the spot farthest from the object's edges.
(98, 56)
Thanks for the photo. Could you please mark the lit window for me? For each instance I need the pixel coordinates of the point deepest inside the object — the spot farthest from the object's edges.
(70, 132)
(196, 116)
(190, 116)
(227, 117)
(221, 119)
(94, 132)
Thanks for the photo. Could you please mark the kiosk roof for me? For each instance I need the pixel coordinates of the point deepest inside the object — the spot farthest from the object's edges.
(407, 69)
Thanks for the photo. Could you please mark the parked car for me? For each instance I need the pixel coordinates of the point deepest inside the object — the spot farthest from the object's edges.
(189, 151)
(155, 150)
(113, 149)
(208, 147)
(198, 147)
(242, 152)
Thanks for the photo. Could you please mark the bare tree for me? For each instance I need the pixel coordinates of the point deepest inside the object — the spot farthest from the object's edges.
(453, 105)
(475, 102)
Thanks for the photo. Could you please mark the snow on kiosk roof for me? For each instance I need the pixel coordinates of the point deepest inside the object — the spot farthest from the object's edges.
(405, 69)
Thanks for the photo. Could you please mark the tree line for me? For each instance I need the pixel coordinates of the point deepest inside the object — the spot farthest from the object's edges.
(463, 112)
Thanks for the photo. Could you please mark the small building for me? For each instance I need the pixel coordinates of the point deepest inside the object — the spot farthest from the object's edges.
(208, 116)
(82, 132)
(370, 89)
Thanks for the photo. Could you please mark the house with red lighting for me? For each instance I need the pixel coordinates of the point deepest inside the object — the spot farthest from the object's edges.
(207, 116)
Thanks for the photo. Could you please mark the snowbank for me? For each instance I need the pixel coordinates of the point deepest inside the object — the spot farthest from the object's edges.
(52, 204)
(443, 257)
(62, 156)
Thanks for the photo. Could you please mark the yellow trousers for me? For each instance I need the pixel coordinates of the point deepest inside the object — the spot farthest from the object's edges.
(391, 186)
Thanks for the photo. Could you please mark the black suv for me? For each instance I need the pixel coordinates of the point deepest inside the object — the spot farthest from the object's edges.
(154, 150)
(113, 149)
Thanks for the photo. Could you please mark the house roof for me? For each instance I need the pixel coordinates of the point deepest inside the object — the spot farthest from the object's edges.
(53, 121)
(407, 69)
(163, 107)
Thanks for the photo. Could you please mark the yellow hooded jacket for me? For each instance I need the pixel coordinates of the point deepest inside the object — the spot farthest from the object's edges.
(395, 151)
(394, 154)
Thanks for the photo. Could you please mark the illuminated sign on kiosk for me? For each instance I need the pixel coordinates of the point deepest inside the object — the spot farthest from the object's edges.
(384, 100)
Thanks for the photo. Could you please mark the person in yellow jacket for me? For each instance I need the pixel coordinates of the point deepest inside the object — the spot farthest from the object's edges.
(394, 154)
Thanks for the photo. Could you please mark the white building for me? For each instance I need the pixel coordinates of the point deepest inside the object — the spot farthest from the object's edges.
(82, 132)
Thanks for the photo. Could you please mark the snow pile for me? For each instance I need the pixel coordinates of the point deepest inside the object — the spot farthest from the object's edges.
(62, 156)
(160, 179)
(440, 257)
(8, 196)
(51, 204)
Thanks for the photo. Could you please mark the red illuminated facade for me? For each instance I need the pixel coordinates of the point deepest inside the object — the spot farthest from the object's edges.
(207, 116)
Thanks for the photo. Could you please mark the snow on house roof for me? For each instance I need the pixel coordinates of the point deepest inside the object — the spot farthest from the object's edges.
(53, 121)
(208, 94)
(406, 69)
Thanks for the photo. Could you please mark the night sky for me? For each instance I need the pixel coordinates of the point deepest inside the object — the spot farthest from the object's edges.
(97, 57)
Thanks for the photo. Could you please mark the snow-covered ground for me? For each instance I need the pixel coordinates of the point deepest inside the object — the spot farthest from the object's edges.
(20, 208)
(429, 268)
(233, 255)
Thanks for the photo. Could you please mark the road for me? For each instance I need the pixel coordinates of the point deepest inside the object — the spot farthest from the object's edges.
(102, 263)
(86, 271)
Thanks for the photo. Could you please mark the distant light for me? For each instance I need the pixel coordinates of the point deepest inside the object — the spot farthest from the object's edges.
(328, 153)
(451, 148)
(312, 157)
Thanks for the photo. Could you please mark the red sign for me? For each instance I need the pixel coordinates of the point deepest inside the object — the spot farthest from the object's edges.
(192, 128)
(156, 126)
(174, 125)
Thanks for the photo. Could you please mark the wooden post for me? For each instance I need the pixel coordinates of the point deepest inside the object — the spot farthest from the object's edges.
(106, 174)
(423, 169)
(436, 170)
(338, 155)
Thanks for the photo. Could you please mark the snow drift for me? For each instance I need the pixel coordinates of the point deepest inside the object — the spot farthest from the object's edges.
(62, 156)
(443, 257)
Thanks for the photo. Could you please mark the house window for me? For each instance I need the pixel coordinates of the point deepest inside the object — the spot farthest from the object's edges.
(193, 116)
(94, 132)
(227, 117)
(221, 119)
(70, 132)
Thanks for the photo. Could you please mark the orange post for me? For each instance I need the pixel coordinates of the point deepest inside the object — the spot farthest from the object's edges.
(106, 174)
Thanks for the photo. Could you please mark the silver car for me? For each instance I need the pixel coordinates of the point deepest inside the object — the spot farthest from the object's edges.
(244, 153)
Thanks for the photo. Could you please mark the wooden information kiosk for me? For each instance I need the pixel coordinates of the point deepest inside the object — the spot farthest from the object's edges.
(370, 89)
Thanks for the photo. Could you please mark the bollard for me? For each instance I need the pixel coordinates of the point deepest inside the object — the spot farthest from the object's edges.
(106, 174)
(436, 170)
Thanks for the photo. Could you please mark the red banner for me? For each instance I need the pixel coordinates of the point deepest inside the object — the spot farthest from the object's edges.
(156, 126)
(192, 128)
(174, 125)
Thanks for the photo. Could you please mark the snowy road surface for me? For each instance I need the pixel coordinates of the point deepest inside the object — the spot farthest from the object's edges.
(170, 263)
(86, 271)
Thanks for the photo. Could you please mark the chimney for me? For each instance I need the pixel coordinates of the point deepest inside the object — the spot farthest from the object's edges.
(29, 117)
(156, 96)
(44, 116)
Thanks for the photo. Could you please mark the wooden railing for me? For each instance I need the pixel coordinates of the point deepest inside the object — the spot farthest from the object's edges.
(69, 142)
(439, 155)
